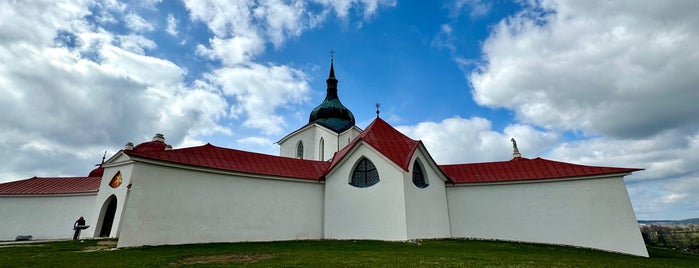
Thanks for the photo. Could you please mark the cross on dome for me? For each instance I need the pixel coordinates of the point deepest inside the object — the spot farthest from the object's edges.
(331, 113)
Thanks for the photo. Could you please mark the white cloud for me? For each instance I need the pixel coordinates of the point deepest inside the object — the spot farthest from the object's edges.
(459, 140)
(171, 27)
(70, 103)
(233, 51)
(619, 68)
(444, 39)
(671, 176)
(137, 23)
(259, 90)
(475, 8)
(258, 144)
(620, 74)
(342, 7)
(135, 43)
(41, 28)
(244, 25)
(241, 31)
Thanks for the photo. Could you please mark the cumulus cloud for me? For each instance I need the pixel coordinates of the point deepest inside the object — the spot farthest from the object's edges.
(459, 140)
(79, 83)
(619, 75)
(242, 30)
(259, 90)
(617, 68)
(41, 28)
(73, 100)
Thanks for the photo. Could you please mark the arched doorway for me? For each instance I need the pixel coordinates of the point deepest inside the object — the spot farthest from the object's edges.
(107, 216)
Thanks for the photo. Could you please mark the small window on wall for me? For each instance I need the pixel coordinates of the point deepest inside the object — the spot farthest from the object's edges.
(299, 150)
(419, 178)
(321, 147)
(364, 174)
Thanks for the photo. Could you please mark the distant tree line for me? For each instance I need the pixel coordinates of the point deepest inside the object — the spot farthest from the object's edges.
(678, 237)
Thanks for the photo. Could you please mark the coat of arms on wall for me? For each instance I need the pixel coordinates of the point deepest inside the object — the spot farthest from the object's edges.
(116, 180)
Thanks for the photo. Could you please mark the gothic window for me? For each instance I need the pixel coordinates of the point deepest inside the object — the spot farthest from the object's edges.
(321, 148)
(364, 174)
(299, 150)
(419, 178)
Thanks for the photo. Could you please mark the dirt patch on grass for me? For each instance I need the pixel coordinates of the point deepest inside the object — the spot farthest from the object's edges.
(101, 245)
(20, 245)
(222, 259)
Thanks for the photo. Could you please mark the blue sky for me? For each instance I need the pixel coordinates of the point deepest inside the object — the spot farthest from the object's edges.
(608, 83)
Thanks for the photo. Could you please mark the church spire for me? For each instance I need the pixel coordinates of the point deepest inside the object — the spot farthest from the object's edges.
(332, 81)
(331, 113)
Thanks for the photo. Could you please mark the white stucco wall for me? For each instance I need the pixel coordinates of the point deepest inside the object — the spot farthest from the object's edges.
(345, 138)
(427, 215)
(43, 217)
(375, 212)
(169, 205)
(593, 213)
(124, 165)
(310, 136)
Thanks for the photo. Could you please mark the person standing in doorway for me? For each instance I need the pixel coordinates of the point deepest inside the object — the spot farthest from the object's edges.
(78, 226)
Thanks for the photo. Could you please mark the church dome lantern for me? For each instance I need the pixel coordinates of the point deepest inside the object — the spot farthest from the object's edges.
(331, 113)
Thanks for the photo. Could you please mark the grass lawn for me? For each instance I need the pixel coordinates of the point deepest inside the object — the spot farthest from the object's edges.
(329, 253)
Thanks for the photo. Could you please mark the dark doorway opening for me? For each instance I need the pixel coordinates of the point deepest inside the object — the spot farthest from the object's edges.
(108, 219)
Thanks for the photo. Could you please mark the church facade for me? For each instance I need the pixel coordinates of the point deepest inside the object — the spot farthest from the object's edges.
(332, 180)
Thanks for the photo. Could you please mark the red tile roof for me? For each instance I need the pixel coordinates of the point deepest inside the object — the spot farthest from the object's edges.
(241, 161)
(387, 140)
(523, 169)
(47, 186)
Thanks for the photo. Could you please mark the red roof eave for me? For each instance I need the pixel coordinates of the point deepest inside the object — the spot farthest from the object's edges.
(51, 186)
(524, 170)
(209, 156)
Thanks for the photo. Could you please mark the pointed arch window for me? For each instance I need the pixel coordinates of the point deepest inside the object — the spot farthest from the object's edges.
(321, 148)
(419, 178)
(299, 150)
(364, 174)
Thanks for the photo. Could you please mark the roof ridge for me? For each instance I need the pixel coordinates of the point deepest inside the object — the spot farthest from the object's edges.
(229, 159)
(392, 144)
(525, 170)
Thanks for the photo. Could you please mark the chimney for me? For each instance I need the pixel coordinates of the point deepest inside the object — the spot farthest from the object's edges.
(128, 146)
(159, 137)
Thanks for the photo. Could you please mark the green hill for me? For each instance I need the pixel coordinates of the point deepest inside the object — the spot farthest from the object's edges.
(670, 222)
(330, 253)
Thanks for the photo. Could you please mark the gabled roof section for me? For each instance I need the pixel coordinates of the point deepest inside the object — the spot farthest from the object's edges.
(385, 139)
(210, 156)
(524, 169)
(51, 186)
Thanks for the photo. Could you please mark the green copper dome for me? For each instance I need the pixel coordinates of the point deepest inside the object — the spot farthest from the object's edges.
(331, 113)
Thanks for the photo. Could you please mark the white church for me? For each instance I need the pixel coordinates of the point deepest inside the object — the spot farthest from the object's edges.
(332, 180)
